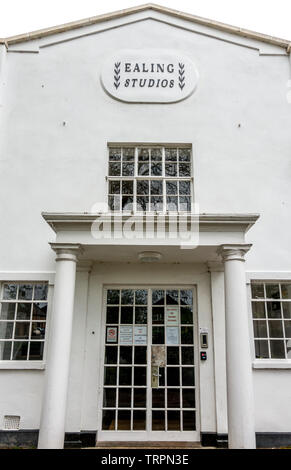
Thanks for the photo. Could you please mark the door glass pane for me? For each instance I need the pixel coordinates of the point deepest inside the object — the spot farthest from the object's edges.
(110, 375)
(140, 377)
(158, 314)
(188, 376)
(125, 355)
(172, 297)
(126, 315)
(139, 420)
(158, 335)
(187, 335)
(188, 397)
(186, 297)
(189, 423)
(113, 296)
(186, 315)
(173, 398)
(158, 297)
(140, 395)
(110, 355)
(158, 398)
(173, 420)
(140, 354)
(158, 420)
(173, 355)
(140, 315)
(173, 376)
(161, 376)
(187, 355)
(127, 296)
(112, 315)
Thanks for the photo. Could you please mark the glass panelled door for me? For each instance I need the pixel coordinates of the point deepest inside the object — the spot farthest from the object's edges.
(149, 383)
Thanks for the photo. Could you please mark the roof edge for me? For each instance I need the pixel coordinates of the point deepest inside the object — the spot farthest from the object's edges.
(148, 6)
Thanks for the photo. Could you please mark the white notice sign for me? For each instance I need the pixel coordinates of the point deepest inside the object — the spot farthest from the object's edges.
(125, 335)
(172, 335)
(172, 315)
(140, 335)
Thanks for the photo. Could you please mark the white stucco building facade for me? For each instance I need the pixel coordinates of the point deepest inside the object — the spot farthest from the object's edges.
(145, 256)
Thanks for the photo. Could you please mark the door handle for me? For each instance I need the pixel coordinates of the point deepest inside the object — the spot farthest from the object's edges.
(155, 376)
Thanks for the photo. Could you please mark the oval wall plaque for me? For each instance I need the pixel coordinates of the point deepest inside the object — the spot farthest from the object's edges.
(149, 76)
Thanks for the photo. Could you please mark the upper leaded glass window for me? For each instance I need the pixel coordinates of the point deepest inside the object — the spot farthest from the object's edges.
(271, 308)
(23, 312)
(145, 178)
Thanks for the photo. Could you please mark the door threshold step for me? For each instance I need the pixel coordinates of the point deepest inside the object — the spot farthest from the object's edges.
(148, 445)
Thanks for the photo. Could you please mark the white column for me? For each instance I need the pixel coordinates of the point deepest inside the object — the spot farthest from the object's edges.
(240, 400)
(218, 318)
(52, 426)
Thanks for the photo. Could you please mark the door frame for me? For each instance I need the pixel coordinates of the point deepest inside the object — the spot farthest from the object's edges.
(148, 435)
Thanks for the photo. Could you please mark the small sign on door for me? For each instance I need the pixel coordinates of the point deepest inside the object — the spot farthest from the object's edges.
(125, 335)
(140, 335)
(172, 335)
(111, 334)
(172, 315)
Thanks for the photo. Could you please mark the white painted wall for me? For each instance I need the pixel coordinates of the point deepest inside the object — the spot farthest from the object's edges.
(239, 123)
(272, 395)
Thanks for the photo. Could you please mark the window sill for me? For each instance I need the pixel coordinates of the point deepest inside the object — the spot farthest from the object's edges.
(272, 364)
(22, 365)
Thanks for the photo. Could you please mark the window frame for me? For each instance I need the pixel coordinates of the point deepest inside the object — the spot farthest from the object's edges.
(136, 177)
(28, 364)
(269, 362)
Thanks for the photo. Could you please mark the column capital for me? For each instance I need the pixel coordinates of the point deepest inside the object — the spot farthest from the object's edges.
(66, 251)
(233, 252)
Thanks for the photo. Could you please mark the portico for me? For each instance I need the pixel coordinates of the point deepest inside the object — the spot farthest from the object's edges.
(221, 239)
